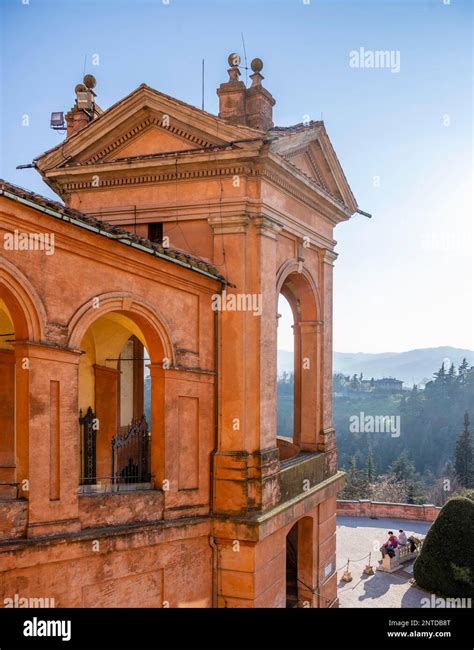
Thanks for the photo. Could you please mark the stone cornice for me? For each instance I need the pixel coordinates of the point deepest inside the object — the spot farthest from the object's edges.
(298, 184)
(145, 178)
(272, 168)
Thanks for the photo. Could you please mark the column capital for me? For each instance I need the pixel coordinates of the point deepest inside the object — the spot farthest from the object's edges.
(46, 352)
(229, 225)
(310, 325)
(329, 256)
(268, 227)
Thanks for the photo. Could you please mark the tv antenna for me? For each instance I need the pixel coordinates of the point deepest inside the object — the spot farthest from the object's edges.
(245, 57)
(202, 86)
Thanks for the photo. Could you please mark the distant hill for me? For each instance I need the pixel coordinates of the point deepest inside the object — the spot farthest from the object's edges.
(414, 366)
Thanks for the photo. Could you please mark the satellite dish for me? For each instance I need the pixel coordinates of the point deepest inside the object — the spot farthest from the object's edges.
(89, 81)
(80, 88)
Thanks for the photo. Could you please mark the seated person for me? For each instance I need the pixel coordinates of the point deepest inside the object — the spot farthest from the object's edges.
(414, 543)
(402, 538)
(390, 545)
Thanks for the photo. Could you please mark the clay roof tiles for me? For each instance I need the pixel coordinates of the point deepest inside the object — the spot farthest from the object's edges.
(174, 255)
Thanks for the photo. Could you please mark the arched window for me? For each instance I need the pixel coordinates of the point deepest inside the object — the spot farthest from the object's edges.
(299, 364)
(114, 402)
(285, 370)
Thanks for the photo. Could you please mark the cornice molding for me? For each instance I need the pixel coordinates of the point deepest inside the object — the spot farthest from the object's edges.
(143, 179)
(291, 189)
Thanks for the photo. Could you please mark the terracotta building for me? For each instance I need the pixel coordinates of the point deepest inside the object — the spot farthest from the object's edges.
(154, 290)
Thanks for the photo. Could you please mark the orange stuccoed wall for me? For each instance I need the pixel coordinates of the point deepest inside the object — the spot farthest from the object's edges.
(254, 205)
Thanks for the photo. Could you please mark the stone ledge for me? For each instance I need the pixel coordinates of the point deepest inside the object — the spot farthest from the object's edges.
(381, 509)
(301, 473)
(120, 508)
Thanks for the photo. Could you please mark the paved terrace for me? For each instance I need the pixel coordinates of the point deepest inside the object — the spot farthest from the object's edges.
(356, 537)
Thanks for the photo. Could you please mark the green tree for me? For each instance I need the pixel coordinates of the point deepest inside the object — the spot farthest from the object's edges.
(440, 376)
(463, 368)
(402, 469)
(463, 456)
(445, 564)
(370, 467)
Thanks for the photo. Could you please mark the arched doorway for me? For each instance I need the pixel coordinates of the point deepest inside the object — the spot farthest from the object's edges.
(299, 564)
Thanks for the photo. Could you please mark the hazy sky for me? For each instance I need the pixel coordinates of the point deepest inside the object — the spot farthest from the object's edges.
(404, 279)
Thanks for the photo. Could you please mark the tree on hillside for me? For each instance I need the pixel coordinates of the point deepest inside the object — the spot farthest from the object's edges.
(463, 368)
(356, 482)
(370, 467)
(440, 376)
(355, 382)
(402, 468)
(463, 456)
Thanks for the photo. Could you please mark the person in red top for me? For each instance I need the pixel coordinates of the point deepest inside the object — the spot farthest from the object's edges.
(390, 545)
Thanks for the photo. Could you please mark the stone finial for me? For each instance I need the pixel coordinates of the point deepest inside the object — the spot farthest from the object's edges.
(257, 66)
(247, 106)
(259, 102)
(232, 93)
(83, 110)
(234, 61)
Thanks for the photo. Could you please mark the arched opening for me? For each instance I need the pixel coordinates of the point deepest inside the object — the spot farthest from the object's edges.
(22, 317)
(7, 403)
(299, 564)
(298, 403)
(115, 390)
(285, 370)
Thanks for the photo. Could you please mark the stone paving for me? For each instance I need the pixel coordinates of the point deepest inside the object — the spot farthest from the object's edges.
(358, 536)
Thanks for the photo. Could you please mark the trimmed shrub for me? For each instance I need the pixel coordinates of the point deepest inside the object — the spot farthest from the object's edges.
(445, 565)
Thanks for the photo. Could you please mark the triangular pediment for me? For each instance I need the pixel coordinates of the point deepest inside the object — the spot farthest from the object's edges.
(309, 150)
(144, 123)
(153, 140)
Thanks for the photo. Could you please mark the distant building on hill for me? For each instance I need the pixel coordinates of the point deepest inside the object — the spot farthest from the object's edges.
(389, 384)
(346, 386)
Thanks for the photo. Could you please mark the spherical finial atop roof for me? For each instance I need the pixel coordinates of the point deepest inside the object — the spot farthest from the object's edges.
(234, 60)
(89, 81)
(257, 65)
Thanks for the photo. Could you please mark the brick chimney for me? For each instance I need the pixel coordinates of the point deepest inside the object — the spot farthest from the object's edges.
(247, 106)
(83, 110)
